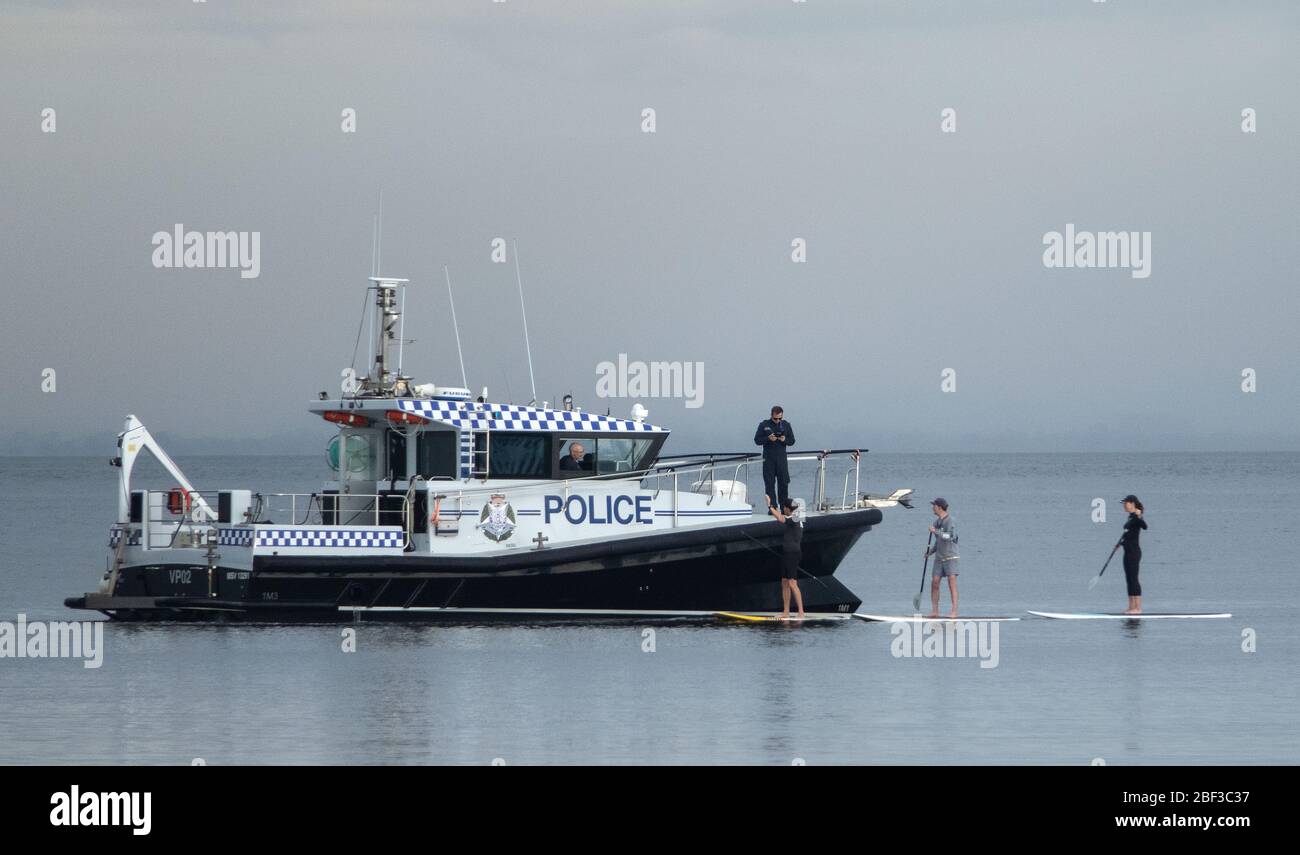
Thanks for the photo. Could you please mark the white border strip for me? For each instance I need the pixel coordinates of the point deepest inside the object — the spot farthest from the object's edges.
(1103, 616)
(583, 612)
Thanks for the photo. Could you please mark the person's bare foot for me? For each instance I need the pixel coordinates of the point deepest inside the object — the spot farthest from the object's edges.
(783, 616)
(932, 615)
(953, 615)
(800, 616)
(1133, 612)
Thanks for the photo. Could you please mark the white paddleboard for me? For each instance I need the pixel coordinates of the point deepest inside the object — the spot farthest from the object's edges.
(1118, 616)
(923, 619)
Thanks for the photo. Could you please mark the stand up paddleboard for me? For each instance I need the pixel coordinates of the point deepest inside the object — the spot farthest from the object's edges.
(808, 618)
(1120, 616)
(922, 619)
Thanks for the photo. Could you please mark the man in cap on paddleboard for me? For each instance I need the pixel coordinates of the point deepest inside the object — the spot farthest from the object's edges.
(945, 556)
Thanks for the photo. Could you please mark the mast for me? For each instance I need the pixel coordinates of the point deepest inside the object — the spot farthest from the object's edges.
(388, 318)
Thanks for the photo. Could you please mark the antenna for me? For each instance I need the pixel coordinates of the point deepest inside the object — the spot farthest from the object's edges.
(401, 332)
(524, 311)
(379, 236)
(464, 380)
(374, 242)
(374, 271)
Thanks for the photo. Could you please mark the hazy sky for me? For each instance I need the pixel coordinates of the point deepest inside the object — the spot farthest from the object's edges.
(774, 121)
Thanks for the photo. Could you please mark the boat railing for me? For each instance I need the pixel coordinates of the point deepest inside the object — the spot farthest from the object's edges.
(330, 508)
(178, 519)
(716, 475)
(719, 476)
(738, 465)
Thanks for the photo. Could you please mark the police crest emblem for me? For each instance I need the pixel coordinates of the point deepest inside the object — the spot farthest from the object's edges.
(497, 519)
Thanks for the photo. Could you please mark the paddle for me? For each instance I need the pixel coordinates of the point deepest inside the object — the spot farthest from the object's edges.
(1092, 583)
(916, 601)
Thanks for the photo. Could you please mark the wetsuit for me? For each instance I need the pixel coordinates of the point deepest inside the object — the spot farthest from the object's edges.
(1132, 552)
(791, 549)
(776, 471)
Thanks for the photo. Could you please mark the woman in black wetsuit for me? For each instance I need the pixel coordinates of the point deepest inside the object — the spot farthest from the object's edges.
(791, 554)
(1133, 552)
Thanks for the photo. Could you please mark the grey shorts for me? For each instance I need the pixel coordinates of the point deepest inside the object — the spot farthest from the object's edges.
(945, 568)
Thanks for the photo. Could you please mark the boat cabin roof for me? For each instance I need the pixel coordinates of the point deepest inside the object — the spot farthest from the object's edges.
(472, 415)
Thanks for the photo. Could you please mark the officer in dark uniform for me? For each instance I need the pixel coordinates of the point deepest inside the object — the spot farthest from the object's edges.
(774, 435)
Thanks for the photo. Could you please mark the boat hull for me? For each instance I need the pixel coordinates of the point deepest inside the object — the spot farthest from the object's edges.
(684, 572)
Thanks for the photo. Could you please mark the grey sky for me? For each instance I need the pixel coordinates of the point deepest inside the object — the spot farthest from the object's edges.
(775, 120)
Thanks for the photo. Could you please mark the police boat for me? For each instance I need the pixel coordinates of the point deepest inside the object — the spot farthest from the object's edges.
(445, 505)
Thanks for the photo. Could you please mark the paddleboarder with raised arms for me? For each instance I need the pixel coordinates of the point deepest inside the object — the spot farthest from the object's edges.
(791, 553)
(1133, 527)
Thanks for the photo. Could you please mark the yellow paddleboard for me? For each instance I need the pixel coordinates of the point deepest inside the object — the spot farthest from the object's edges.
(817, 617)
(744, 617)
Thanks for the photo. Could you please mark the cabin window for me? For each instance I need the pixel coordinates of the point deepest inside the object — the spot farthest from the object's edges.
(603, 455)
(519, 455)
(351, 454)
(622, 454)
(396, 455)
(577, 456)
(436, 455)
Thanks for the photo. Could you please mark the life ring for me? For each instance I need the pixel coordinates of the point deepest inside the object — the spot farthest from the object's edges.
(178, 501)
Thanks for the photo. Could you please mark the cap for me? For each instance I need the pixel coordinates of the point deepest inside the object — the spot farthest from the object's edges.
(943, 503)
(1129, 498)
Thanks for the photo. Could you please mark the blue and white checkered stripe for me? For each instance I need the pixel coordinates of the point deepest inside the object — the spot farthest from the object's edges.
(334, 538)
(470, 414)
(235, 537)
(115, 537)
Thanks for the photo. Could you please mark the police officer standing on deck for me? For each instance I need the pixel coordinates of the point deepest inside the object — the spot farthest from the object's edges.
(775, 435)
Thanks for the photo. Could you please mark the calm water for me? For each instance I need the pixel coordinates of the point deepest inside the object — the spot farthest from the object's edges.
(1222, 533)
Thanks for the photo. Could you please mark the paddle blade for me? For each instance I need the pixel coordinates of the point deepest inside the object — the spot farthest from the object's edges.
(1092, 583)
(916, 603)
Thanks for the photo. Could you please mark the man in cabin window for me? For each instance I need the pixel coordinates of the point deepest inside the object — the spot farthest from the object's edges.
(775, 435)
(575, 460)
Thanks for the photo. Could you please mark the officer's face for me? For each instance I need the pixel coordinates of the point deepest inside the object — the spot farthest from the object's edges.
(577, 451)
(776, 417)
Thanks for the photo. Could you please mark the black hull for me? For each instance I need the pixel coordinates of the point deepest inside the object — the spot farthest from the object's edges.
(732, 568)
